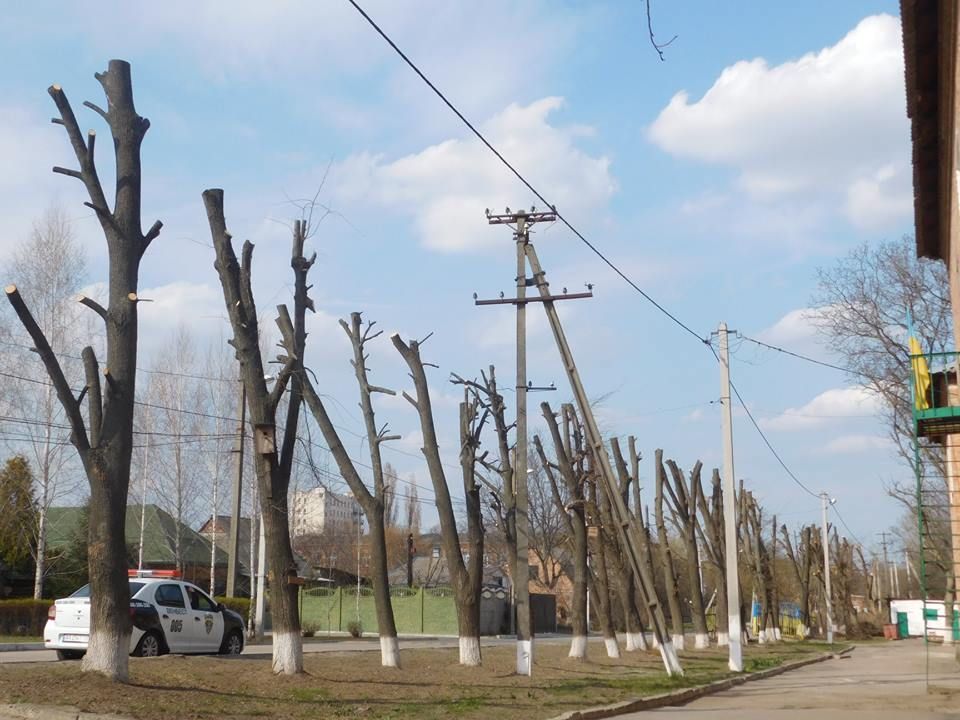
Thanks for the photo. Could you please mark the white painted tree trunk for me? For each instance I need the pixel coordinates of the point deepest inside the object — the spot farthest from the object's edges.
(804, 631)
(654, 643)
(777, 635)
(613, 650)
(578, 647)
(470, 651)
(390, 652)
(524, 657)
(678, 641)
(701, 641)
(635, 641)
(762, 637)
(108, 654)
(671, 662)
(287, 653)
(723, 639)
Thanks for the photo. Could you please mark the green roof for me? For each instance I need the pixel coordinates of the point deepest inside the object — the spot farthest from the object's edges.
(159, 535)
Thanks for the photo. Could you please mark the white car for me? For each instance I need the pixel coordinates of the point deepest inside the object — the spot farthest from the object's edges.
(167, 614)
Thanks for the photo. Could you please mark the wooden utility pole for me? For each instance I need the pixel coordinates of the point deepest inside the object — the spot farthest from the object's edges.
(735, 632)
(233, 565)
(627, 525)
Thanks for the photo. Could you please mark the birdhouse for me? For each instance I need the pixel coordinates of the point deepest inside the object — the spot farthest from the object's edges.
(593, 532)
(265, 439)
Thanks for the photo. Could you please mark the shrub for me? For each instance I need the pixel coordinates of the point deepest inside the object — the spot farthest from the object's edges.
(239, 605)
(23, 616)
(355, 628)
(309, 629)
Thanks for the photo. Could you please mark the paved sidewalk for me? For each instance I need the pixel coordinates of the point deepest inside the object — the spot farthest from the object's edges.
(882, 681)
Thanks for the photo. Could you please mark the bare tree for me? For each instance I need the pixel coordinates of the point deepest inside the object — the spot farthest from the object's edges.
(626, 585)
(170, 392)
(391, 494)
(600, 577)
(374, 504)
(500, 487)
(105, 441)
(666, 556)
(801, 562)
(683, 502)
(757, 551)
(50, 267)
(411, 513)
(711, 532)
(572, 502)
(273, 457)
(466, 576)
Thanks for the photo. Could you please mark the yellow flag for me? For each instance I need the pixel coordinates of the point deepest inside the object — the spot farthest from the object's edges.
(921, 375)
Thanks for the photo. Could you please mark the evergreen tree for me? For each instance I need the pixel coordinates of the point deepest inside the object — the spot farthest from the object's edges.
(18, 512)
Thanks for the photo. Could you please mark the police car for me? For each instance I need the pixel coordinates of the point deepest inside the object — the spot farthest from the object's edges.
(168, 616)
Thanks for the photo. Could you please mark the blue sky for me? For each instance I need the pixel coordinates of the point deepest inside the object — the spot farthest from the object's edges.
(771, 141)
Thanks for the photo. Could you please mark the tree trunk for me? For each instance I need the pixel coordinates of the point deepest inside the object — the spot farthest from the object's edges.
(386, 625)
(467, 579)
(666, 558)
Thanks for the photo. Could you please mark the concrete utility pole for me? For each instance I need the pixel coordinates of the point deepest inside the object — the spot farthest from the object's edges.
(521, 590)
(731, 559)
(626, 525)
(522, 521)
(825, 540)
(233, 564)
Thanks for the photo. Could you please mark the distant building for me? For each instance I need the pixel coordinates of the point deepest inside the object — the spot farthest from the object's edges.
(319, 509)
(160, 531)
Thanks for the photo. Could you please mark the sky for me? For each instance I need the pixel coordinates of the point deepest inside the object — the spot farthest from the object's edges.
(770, 141)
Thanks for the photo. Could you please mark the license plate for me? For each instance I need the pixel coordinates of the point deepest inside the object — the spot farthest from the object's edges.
(74, 638)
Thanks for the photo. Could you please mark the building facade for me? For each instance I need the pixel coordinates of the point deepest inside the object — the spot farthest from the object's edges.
(319, 509)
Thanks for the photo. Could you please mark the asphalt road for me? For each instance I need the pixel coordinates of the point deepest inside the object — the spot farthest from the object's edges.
(878, 681)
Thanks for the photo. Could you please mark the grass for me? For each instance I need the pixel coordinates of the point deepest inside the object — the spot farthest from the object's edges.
(430, 686)
(20, 639)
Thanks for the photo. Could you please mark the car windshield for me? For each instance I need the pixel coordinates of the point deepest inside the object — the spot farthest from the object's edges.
(84, 592)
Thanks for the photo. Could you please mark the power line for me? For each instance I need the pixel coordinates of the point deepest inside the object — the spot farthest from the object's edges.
(763, 436)
(520, 177)
(799, 356)
(844, 523)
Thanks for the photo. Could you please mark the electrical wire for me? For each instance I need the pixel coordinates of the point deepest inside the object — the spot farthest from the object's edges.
(520, 177)
(844, 523)
(798, 356)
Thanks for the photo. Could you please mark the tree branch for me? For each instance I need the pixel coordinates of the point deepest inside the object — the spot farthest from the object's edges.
(94, 397)
(93, 305)
(54, 371)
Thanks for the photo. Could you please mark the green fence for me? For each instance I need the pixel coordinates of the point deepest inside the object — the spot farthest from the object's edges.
(428, 611)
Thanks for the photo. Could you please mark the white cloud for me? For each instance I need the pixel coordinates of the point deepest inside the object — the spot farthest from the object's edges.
(830, 125)
(852, 444)
(833, 404)
(445, 185)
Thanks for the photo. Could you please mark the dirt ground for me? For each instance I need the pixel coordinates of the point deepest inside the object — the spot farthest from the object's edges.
(430, 685)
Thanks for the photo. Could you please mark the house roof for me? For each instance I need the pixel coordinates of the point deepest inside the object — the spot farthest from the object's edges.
(159, 533)
(930, 62)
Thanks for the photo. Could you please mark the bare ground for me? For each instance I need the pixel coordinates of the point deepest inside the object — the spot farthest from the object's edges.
(430, 685)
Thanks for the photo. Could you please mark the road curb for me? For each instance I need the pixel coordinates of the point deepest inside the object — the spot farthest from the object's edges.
(51, 712)
(682, 697)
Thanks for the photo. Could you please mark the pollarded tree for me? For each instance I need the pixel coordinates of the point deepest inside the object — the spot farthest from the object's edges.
(572, 502)
(683, 502)
(374, 503)
(671, 580)
(710, 531)
(801, 562)
(465, 575)
(273, 456)
(105, 440)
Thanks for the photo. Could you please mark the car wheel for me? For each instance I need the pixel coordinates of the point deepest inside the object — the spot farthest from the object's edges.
(69, 654)
(232, 644)
(149, 646)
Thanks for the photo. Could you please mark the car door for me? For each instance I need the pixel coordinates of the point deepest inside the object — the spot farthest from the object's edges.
(206, 622)
(174, 617)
